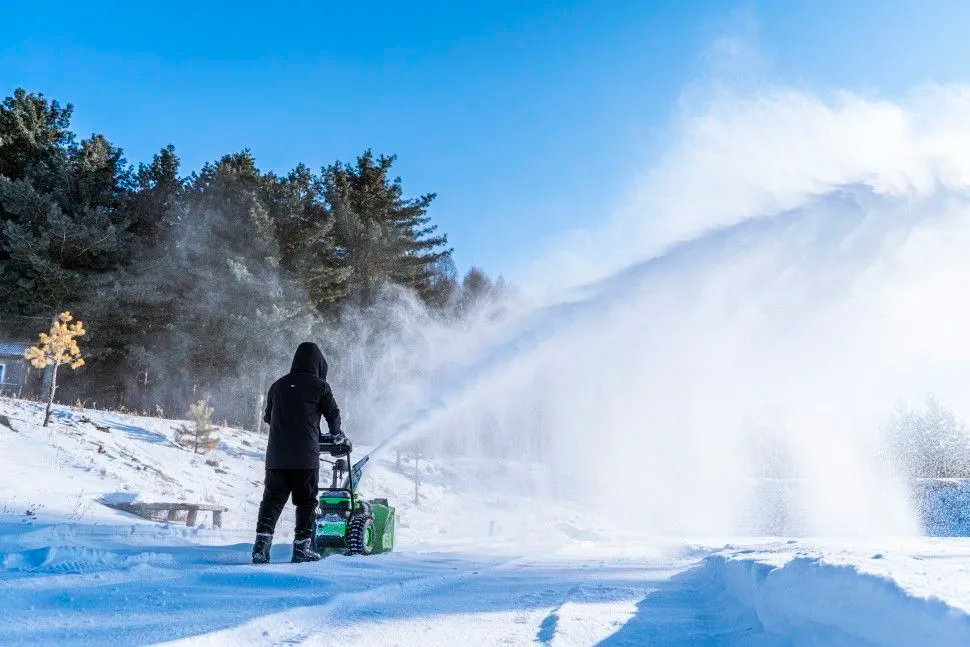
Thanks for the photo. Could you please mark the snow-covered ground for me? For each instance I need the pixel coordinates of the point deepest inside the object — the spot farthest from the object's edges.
(470, 568)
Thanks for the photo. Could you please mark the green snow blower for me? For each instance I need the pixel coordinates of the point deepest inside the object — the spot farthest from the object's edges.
(345, 524)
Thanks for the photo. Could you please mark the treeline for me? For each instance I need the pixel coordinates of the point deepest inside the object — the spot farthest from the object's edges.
(198, 281)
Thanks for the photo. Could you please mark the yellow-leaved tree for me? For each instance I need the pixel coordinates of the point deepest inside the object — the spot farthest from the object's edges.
(56, 348)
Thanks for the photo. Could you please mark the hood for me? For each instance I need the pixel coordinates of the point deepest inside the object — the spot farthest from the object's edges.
(309, 359)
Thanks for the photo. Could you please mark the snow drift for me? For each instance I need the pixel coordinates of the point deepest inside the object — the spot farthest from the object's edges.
(810, 595)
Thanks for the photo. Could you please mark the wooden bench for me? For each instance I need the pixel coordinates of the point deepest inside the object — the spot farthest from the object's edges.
(149, 510)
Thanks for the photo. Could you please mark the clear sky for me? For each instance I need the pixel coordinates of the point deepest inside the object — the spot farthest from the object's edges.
(527, 118)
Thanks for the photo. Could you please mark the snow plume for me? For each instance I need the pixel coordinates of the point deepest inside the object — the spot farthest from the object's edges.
(386, 359)
(737, 157)
(801, 265)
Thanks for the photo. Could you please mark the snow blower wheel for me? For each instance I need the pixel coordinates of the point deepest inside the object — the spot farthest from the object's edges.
(345, 524)
(360, 535)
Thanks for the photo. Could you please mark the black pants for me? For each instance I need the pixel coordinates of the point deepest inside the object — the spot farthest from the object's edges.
(280, 484)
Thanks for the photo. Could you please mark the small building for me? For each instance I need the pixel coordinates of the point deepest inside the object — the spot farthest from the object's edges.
(17, 376)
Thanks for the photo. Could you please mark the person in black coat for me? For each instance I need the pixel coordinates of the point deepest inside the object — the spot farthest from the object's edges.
(294, 405)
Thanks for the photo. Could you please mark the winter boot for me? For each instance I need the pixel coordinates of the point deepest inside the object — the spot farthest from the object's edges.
(261, 548)
(303, 552)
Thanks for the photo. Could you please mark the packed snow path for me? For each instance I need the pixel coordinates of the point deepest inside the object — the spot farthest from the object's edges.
(780, 594)
(210, 595)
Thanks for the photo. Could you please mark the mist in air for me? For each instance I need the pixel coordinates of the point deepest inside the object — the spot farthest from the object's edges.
(790, 270)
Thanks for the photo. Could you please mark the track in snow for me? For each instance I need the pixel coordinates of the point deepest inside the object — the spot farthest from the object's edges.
(210, 595)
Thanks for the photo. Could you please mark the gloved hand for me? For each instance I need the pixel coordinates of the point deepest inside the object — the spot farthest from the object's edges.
(335, 444)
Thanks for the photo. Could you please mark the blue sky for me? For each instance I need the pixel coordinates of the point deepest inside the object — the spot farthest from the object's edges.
(527, 119)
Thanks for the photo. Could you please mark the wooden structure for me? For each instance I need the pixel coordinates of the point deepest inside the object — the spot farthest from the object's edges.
(171, 510)
(16, 373)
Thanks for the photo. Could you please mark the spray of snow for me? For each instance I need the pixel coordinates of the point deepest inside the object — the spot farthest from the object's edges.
(788, 271)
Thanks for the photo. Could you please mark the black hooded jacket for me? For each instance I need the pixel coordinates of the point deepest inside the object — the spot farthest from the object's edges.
(293, 408)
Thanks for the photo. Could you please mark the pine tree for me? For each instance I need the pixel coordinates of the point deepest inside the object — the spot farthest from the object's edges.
(199, 437)
(232, 305)
(138, 301)
(305, 232)
(238, 287)
(34, 146)
(443, 290)
(475, 287)
(62, 206)
(382, 237)
(158, 188)
(34, 136)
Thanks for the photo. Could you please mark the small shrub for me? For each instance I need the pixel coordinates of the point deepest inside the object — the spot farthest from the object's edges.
(200, 436)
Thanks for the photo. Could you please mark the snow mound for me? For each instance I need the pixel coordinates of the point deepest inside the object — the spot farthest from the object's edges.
(843, 600)
(74, 559)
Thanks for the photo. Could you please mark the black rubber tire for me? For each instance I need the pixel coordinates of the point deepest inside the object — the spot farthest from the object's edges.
(361, 527)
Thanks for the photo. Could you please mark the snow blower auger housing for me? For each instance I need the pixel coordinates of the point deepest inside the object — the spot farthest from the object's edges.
(345, 524)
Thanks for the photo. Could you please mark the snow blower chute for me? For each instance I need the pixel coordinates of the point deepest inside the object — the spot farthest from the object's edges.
(345, 524)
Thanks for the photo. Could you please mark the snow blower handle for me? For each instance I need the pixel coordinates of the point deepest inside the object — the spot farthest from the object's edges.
(336, 445)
